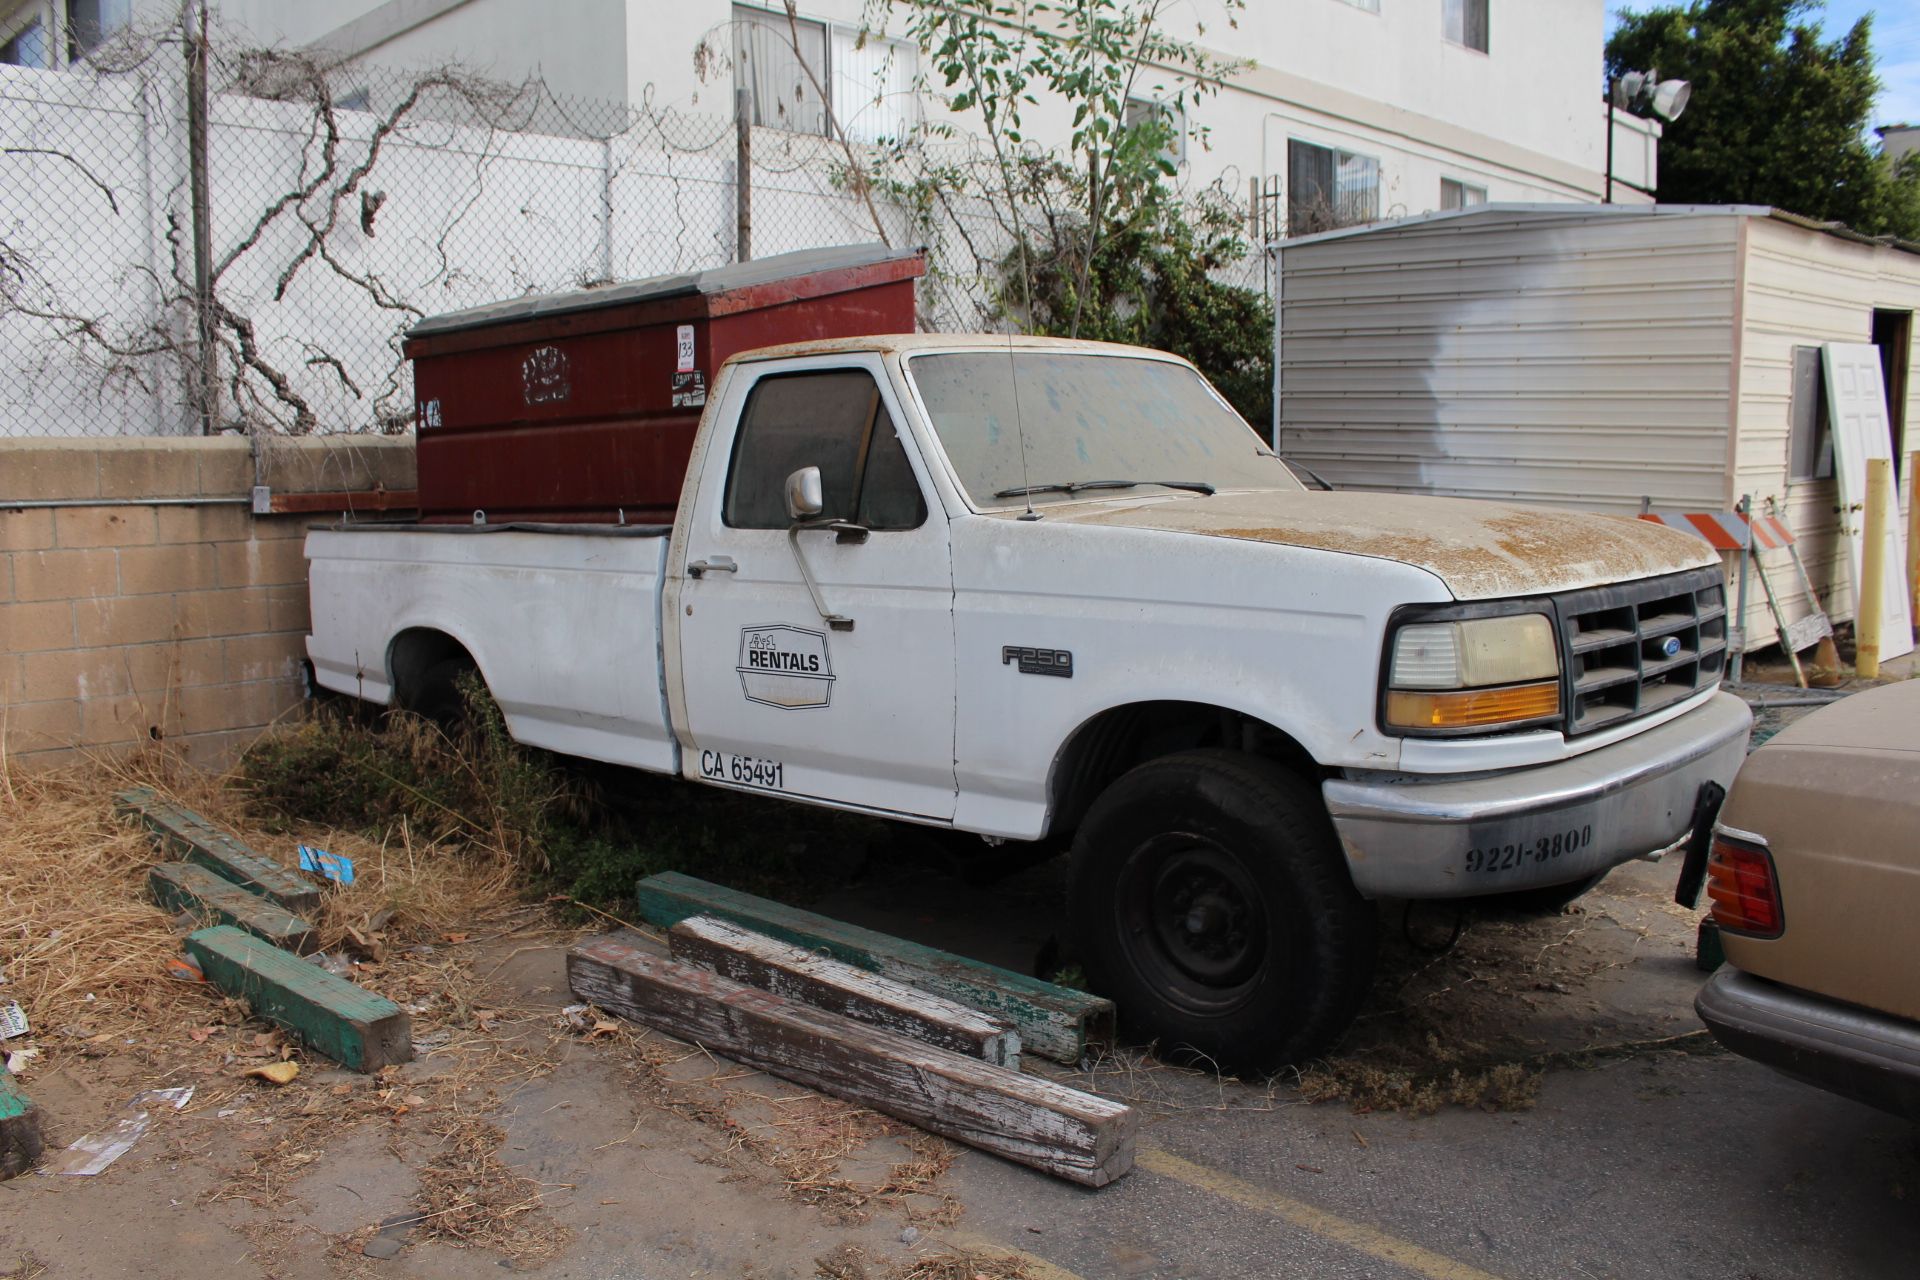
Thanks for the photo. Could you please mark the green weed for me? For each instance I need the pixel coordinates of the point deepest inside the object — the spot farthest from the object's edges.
(575, 828)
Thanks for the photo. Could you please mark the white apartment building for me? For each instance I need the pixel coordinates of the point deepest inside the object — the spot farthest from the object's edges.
(1345, 110)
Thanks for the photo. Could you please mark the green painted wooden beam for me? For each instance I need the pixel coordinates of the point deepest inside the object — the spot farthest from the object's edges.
(182, 833)
(1053, 1021)
(354, 1027)
(189, 887)
(20, 1139)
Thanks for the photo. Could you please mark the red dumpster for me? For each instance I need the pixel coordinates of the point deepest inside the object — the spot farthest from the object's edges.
(581, 406)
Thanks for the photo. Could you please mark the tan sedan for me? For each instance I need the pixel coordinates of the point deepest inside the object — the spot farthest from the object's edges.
(1814, 877)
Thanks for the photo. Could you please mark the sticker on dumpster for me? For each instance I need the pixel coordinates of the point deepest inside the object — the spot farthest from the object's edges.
(690, 390)
(683, 349)
(543, 376)
(783, 666)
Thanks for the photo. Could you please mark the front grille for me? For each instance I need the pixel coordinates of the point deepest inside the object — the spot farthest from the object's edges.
(1614, 644)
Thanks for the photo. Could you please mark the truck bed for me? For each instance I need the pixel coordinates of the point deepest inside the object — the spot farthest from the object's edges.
(562, 619)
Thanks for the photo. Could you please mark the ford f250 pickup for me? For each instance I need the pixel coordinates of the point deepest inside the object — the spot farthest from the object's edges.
(1039, 589)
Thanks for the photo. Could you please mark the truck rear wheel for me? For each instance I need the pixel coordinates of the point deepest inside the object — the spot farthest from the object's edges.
(1214, 908)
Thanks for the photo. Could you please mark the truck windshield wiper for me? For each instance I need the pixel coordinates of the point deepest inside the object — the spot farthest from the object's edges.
(1079, 486)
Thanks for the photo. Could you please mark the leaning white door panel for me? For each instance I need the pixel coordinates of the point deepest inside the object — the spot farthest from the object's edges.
(776, 697)
(1857, 406)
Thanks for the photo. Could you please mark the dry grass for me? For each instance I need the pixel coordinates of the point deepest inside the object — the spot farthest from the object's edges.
(802, 1137)
(962, 1264)
(86, 953)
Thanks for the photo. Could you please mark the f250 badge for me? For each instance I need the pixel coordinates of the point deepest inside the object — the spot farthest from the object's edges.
(1038, 662)
(783, 666)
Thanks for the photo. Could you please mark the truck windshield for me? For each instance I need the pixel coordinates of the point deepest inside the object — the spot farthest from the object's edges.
(1094, 424)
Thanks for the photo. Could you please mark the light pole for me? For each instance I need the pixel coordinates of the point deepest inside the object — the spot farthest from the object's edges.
(1642, 89)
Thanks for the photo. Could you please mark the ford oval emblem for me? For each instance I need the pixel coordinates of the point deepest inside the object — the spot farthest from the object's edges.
(1670, 646)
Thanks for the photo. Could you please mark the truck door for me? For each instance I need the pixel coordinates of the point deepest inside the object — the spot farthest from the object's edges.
(842, 692)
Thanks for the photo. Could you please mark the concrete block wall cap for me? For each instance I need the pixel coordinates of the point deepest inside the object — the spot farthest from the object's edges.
(338, 464)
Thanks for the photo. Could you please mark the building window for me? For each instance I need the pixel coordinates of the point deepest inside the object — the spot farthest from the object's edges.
(1809, 432)
(89, 22)
(1455, 194)
(1327, 188)
(29, 47)
(1465, 22)
(1141, 111)
(788, 64)
(874, 98)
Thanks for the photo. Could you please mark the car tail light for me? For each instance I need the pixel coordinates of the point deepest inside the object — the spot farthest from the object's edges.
(1741, 885)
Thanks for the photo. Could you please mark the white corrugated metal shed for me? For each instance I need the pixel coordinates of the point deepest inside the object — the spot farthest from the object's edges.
(1588, 356)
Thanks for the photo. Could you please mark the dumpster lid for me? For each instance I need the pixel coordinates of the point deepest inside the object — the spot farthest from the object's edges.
(715, 280)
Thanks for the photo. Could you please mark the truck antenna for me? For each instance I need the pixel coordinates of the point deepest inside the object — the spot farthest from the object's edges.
(1020, 431)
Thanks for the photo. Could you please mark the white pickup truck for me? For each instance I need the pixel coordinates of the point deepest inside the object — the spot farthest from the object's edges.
(1038, 589)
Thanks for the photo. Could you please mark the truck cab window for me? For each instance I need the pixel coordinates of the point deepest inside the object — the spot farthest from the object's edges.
(836, 421)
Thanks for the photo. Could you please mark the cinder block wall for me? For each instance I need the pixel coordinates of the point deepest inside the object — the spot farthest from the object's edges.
(124, 619)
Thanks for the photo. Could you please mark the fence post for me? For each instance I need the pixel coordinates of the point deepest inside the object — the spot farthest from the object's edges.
(743, 175)
(193, 24)
(606, 208)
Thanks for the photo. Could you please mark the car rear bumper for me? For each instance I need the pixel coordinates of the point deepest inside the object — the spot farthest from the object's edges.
(1548, 825)
(1854, 1052)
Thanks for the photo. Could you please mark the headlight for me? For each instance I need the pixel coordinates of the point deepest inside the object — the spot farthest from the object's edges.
(1473, 673)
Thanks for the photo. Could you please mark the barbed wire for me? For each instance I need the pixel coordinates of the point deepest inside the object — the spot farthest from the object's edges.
(347, 201)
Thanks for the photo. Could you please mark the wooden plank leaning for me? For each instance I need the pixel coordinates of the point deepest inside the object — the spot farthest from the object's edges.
(1072, 1135)
(794, 973)
(1053, 1021)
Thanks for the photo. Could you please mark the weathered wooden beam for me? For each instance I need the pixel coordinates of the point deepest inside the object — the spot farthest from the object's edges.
(794, 973)
(182, 833)
(20, 1140)
(1053, 1021)
(189, 887)
(354, 1027)
(1070, 1134)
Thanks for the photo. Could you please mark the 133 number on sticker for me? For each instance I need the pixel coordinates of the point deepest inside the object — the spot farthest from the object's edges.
(743, 771)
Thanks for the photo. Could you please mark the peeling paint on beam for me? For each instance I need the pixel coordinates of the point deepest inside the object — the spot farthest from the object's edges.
(794, 973)
(1053, 1021)
(182, 833)
(1073, 1135)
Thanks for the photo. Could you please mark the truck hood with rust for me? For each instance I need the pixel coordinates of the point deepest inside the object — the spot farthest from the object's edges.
(1481, 550)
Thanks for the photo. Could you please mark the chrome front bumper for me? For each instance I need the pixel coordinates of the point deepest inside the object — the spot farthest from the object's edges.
(1553, 824)
(1854, 1052)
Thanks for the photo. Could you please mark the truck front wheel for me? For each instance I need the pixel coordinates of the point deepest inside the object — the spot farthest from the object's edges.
(1214, 908)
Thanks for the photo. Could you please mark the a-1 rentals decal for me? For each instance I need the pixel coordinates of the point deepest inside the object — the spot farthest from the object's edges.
(783, 666)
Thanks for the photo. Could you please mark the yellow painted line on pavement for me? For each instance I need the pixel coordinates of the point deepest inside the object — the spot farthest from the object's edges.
(1358, 1236)
(1036, 1267)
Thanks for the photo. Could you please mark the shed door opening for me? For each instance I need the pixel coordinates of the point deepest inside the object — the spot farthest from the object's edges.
(1893, 334)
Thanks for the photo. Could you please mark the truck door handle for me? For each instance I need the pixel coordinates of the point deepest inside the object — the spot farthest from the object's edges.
(716, 564)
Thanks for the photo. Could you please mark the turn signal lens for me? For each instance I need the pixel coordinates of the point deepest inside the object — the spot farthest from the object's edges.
(1473, 708)
(1742, 887)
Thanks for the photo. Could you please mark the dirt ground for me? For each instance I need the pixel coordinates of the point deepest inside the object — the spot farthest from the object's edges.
(529, 1135)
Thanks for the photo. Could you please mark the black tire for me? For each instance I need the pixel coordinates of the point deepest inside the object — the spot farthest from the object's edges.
(1214, 907)
(1547, 900)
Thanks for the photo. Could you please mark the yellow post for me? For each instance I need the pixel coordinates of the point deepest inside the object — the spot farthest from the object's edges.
(1870, 600)
(1913, 536)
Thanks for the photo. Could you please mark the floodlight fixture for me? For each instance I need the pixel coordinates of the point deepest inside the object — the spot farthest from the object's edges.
(1634, 91)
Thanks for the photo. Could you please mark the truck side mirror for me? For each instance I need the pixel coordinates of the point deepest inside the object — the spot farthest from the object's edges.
(804, 499)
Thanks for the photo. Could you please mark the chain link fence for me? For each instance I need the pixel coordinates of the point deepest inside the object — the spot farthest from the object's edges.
(341, 204)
